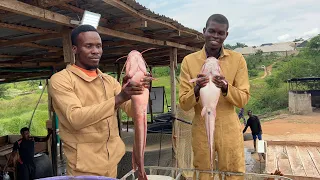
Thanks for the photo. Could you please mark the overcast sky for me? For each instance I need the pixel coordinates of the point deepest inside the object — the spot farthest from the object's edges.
(251, 21)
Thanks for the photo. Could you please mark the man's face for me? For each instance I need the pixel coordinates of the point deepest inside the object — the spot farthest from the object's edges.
(25, 135)
(88, 50)
(250, 113)
(214, 35)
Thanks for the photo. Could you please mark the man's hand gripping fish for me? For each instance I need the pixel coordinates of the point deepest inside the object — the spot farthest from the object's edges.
(136, 69)
(209, 96)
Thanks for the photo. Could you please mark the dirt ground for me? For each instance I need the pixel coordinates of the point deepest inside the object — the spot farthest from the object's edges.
(288, 127)
(284, 127)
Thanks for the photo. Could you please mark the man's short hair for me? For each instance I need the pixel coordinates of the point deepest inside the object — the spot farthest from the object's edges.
(22, 130)
(250, 111)
(82, 28)
(219, 18)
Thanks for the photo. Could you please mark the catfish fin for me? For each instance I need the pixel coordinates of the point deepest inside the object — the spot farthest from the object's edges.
(203, 112)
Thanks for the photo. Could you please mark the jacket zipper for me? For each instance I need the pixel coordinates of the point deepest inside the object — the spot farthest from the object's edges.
(105, 95)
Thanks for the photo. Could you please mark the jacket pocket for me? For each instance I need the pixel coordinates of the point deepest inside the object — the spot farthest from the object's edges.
(92, 158)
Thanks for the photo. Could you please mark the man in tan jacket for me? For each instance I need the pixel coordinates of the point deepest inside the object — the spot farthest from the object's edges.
(86, 100)
(228, 133)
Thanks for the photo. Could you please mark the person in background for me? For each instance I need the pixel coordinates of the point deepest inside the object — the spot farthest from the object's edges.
(255, 127)
(24, 149)
(241, 116)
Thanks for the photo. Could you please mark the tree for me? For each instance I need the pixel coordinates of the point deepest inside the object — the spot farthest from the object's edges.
(237, 45)
(3, 89)
(241, 45)
(314, 46)
(300, 39)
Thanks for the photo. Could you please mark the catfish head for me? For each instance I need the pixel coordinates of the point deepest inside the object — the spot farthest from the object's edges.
(211, 67)
(135, 62)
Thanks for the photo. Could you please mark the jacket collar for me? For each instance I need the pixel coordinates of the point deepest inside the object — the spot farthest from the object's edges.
(203, 54)
(83, 75)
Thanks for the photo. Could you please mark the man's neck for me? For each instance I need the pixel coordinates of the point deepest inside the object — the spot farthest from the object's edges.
(91, 73)
(213, 52)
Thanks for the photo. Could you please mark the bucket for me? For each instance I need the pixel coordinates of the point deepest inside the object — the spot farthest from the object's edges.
(158, 177)
(78, 177)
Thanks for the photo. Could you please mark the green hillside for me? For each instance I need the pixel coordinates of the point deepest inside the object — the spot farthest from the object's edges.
(268, 94)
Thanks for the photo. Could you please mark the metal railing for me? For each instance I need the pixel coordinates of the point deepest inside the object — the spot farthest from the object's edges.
(178, 172)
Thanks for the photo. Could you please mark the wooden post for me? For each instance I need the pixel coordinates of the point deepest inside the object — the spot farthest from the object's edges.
(54, 134)
(50, 118)
(68, 55)
(119, 110)
(173, 65)
(173, 62)
(150, 100)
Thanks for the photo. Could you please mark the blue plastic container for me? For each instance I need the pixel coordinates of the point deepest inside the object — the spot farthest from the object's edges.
(78, 177)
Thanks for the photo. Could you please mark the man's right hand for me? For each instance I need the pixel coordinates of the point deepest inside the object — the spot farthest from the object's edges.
(130, 88)
(201, 82)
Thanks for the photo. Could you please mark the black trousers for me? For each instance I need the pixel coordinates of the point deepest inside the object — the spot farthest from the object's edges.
(26, 171)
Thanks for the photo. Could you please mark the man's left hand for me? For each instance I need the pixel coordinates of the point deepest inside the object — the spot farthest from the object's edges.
(221, 82)
(146, 81)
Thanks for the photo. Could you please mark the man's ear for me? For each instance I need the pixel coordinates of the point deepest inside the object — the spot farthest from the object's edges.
(74, 49)
(204, 30)
(227, 34)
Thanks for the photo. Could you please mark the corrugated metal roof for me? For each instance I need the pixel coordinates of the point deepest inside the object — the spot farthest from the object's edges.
(267, 48)
(165, 31)
(245, 50)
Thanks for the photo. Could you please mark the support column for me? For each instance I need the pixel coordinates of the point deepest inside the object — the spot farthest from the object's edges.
(67, 47)
(150, 101)
(173, 66)
(52, 117)
(119, 110)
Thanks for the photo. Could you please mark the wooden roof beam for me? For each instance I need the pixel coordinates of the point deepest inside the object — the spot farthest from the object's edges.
(124, 7)
(33, 64)
(138, 24)
(30, 39)
(29, 58)
(25, 28)
(49, 16)
(116, 43)
(34, 45)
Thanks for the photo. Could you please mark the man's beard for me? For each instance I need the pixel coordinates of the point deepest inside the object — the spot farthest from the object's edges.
(92, 67)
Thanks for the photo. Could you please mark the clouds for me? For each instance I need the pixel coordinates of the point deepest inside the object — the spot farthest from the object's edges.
(251, 21)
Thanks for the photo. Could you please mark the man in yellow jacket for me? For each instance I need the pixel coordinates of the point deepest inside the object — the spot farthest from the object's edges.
(86, 100)
(228, 133)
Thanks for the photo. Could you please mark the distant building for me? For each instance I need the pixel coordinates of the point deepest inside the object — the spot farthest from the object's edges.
(281, 49)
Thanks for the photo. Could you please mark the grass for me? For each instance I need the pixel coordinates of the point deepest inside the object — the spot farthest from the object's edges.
(16, 113)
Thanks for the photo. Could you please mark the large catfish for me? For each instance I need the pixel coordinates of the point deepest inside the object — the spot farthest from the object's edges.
(209, 96)
(136, 69)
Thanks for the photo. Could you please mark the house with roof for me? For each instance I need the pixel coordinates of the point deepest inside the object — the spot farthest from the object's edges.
(281, 49)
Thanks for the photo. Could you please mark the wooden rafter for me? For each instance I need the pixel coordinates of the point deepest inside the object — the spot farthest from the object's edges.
(25, 28)
(116, 43)
(133, 25)
(34, 45)
(48, 3)
(49, 16)
(30, 39)
(33, 64)
(9, 56)
(124, 7)
(29, 58)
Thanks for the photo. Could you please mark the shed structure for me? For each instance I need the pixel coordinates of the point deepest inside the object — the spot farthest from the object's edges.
(35, 40)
